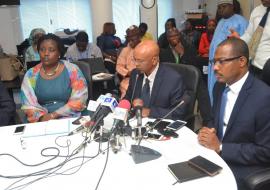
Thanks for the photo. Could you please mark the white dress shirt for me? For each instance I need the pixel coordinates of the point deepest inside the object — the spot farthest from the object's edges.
(263, 51)
(151, 78)
(232, 96)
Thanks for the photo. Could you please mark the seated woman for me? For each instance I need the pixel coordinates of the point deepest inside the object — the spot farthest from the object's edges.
(109, 44)
(54, 88)
(31, 54)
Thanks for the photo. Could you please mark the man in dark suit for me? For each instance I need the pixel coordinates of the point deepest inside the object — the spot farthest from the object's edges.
(240, 132)
(159, 86)
(7, 106)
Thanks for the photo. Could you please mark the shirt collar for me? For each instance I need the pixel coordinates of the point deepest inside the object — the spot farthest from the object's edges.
(152, 76)
(236, 87)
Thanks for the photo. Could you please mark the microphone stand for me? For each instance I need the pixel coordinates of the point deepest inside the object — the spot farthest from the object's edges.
(142, 154)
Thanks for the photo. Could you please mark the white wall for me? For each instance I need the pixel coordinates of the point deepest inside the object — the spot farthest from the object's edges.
(10, 32)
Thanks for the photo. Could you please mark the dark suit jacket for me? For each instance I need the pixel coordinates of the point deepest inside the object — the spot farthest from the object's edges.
(168, 90)
(7, 106)
(246, 142)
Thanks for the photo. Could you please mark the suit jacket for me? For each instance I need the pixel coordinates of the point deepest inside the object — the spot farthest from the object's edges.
(167, 91)
(7, 106)
(246, 142)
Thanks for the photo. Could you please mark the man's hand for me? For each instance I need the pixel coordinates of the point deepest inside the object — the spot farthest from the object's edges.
(208, 138)
(233, 34)
(145, 112)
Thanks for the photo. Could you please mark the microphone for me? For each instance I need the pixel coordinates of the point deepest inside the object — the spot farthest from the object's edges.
(76, 130)
(92, 106)
(138, 105)
(121, 112)
(120, 117)
(142, 154)
(102, 111)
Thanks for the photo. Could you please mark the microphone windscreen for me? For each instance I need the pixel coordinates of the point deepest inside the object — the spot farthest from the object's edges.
(124, 104)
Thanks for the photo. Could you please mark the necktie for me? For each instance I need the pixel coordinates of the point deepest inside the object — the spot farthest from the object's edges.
(257, 35)
(222, 112)
(146, 93)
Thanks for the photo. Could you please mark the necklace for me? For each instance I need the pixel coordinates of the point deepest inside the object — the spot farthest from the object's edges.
(52, 73)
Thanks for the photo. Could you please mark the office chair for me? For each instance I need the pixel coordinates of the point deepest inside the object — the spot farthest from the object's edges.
(191, 77)
(260, 180)
(86, 70)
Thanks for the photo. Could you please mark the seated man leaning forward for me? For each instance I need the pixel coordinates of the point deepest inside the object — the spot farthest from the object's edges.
(82, 49)
(240, 132)
(54, 88)
(158, 85)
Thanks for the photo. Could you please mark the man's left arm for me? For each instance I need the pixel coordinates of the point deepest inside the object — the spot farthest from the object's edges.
(257, 150)
(175, 94)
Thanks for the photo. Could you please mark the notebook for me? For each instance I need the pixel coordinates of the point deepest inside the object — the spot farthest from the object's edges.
(96, 64)
(183, 171)
(194, 168)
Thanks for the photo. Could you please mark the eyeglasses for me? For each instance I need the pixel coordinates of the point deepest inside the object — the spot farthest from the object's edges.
(223, 61)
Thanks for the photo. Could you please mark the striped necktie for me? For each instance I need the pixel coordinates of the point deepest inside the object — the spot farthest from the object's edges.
(257, 35)
(146, 93)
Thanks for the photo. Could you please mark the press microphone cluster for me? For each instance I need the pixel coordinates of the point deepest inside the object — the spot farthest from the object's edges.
(102, 107)
(120, 116)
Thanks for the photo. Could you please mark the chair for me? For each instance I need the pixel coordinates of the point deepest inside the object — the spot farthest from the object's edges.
(259, 180)
(191, 77)
(86, 70)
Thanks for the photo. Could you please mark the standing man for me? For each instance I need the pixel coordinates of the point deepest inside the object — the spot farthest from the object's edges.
(159, 86)
(257, 36)
(125, 62)
(82, 49)
(240, 131)
(229, 21)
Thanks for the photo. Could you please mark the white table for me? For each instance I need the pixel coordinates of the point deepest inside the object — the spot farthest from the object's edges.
(121, 172)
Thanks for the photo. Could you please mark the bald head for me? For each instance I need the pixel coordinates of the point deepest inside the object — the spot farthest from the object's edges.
(146, 56)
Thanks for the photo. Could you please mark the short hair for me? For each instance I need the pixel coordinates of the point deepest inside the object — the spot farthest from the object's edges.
(82, 36)
(50, 36)
(172, 20)
(239, 47)
(143, 25)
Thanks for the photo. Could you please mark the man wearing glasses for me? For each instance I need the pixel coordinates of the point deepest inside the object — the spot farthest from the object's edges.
(159, 86)
(240, 131)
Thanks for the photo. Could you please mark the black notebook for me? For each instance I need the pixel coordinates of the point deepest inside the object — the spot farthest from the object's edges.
(183, 171)
(194, 168)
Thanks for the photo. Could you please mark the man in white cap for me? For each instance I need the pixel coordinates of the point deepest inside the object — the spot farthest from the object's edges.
(229, 21)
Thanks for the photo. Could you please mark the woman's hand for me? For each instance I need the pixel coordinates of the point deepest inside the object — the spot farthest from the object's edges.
(48, 117)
